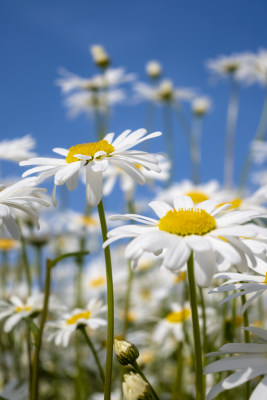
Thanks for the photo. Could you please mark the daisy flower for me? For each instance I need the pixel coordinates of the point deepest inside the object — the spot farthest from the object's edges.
(15, 309)
(172, 323)
(18, 149)
(22, 196)
(162, 93)
(201, 105)
(235, 64)
(198, 193)
(256, 69)
(95, 157)
(153, 69)
(249, 361)
(186, 228)
(69, 322)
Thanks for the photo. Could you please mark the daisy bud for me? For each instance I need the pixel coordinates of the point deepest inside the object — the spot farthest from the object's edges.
(201, 105)
(135, 388)
(153, 69)
(126, 352)
(100, 57)
(166, 90)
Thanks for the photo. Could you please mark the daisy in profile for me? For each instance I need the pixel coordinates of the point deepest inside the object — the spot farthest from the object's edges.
(234, 64)
(15, 310)
(21, 196)
(248, 360)
(185, 228)
(61, 330)
(96, 158)
(18, 149)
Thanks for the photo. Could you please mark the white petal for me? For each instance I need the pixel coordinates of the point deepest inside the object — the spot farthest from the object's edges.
(176, 255)
(65, 173)
(94, 185)
(204, 267)
(161, 208)
(198, 243)
(260, 392)
(184, 202)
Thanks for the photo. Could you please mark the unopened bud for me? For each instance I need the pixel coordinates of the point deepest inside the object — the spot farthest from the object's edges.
(135, 388)
(166, 90)
(100, 57)
(153, 69)
(201, 105)
(126, 352)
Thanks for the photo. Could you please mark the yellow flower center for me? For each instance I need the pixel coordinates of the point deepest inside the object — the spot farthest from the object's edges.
(197, 197)
(265, 280)
(88, 221)
(187, 222)
(176, 317)
(235, 203)
(131, 316)
(75, 318)
(96, 282)
(7, 244)
(89, 149)
(180, 277)
(23, 308)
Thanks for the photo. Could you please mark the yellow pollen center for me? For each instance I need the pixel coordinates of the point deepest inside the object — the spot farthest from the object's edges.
(96, 282)
(75, 318)
(265, 280)
(88, 221)
(235, 203)
(176, 317)
(89, 149)
(23, 308)
(197, 197)
(180, 277)
(131, 316)
(187, 222)
(7, 244)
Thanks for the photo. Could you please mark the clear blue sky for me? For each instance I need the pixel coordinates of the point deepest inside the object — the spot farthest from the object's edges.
(37, 37)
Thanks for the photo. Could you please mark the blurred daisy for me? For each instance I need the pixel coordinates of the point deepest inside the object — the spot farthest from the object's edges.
(256, 68)
(186, 228)
(21, 196)
(164, 92)
(18, 149)
(127, 184)
(235, 65)
(198, 193)
(259, 151)
(15, 309)
(153, 69)
(249, 361)
(201, 105)
(69, 322)
(172, 323)
(254, 201)
(95, 157)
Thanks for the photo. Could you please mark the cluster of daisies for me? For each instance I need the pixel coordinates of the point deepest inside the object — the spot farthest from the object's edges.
(54, 307)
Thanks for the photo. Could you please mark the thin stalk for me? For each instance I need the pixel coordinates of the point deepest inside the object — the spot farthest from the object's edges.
(195, 148)
(247, 340)
(91, 346)
(200, 395)
(260, 135)
(204, 319)
(169, 136)
(36, 361)
(4, 271)
(79, 276)
(110, 298)
(26, 264)
(177, 388)
(29, 351)
(233, 319)
(140, 372)
(230, 133)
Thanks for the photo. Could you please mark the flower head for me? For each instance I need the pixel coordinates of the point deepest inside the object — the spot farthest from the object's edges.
(135, 388)
(153, 69)
(18, 149)
(96, 158)
(202, 229)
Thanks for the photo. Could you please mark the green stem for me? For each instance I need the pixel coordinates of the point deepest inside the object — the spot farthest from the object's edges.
(26, 264)
(196, 330)
(36, 361)
(90, 344)
(140, 372)
(127, 300)
(79, 277)
(230, 133)
(247, 340)
(177, 388)
(195, 148)
(110, 298)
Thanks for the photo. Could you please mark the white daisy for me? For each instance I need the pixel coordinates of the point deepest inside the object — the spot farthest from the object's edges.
(18, 149)
(172, 323)
(249, 361)
(95, 157)
(21, 196)
(235, 64)
(153, 69)
(16, 309)
(256, 68)
(186, 228)
(69, 322)
(162, 93)
(259, 151)
(201, 105)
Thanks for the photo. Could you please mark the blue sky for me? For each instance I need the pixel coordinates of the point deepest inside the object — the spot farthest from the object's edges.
(38, 37)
